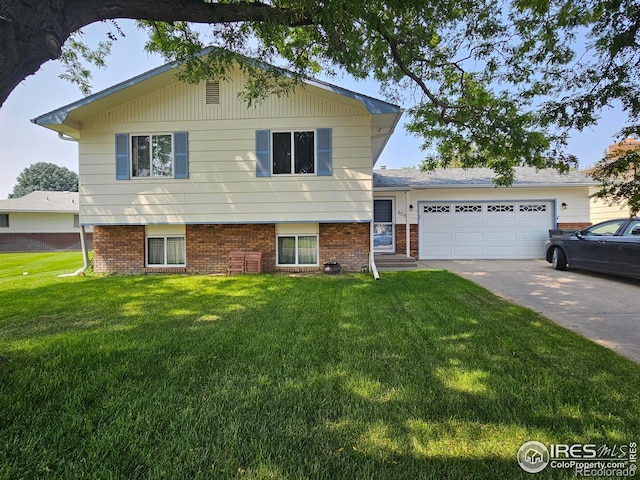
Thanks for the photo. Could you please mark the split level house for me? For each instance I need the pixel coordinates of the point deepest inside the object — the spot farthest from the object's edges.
(177, 177)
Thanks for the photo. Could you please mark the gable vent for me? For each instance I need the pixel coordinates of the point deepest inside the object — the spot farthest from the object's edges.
(213, 93)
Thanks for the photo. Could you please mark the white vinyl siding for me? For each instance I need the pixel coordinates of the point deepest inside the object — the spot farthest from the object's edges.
(222, 184)
(601, 211)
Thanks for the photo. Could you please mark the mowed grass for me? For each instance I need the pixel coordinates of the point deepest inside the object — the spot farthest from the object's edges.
(419, 375)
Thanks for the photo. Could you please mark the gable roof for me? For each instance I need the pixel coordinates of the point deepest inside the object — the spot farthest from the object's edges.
(36, 202)
(66, 119)
(474, 178)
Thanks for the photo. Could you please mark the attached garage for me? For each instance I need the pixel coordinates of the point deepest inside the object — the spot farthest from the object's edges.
(460, 214)
(483, 229)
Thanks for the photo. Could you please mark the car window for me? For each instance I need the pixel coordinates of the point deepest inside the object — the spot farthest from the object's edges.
(604, 229)
(633, 229)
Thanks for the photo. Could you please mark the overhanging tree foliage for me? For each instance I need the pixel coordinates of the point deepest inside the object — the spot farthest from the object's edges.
(619, 177)
(486, 82)
(44, 176)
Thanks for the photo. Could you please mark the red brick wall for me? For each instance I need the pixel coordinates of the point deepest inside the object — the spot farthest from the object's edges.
(42, 242)
(118, 249)
(121, 249)
(208, 246)
(345, 243)
(401, 239)
(576, 225)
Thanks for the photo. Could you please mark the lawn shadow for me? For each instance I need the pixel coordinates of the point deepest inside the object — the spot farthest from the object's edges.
(421, 375)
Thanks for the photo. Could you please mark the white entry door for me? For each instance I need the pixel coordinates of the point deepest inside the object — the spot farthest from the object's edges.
(480, 229)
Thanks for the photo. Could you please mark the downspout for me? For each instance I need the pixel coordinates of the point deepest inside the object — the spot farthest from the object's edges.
(407, 224)
(83, 240)
(85, 256)
(372, 262)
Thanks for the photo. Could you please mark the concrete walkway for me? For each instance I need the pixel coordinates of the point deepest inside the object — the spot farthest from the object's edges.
(604, 308)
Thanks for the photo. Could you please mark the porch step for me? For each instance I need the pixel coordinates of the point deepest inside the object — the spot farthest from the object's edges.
(395, 262)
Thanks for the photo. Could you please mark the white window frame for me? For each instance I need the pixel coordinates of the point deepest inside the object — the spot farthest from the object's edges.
(165, 238)
(5, 215)
(297, 236)
(293, 152)
(150, 135)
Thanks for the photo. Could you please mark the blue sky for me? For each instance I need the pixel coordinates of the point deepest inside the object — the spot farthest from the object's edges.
(23, 144)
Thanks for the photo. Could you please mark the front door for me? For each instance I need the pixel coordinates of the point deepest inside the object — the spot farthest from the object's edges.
(383, 226)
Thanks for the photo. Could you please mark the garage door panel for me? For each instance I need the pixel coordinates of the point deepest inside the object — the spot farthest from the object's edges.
(470, 251)
(500, 237)
(463, 238)
(438, 223)
(438, 237)
(464, 222)
(507, 223)
(504, 251)
(498, 229)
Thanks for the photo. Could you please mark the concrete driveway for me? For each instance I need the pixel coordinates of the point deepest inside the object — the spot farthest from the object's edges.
(604, 308)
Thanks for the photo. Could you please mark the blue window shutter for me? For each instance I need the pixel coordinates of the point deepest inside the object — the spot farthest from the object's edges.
(181, 155)
(323, 143)
(122, 156)
(263, 153)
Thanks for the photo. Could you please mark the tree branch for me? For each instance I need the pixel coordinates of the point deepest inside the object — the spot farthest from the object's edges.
(33, 31)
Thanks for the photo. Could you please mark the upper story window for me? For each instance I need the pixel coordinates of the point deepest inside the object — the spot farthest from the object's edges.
(159, 155)
(151, 156)
(307, 152)
(293, 152)
(4, 219)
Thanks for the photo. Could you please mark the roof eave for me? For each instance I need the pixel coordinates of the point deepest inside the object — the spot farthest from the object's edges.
(59, 119)
(483, 185)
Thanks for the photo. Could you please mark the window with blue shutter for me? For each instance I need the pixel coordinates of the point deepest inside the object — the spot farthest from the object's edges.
(263, 153)
(122, 156)
(181, 155)
(323, 146)
(157, 155)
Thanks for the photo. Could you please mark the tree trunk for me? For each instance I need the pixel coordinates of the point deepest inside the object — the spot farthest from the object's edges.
(33, 31)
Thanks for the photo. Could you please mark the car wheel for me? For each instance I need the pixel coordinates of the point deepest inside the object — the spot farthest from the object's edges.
(559, 259)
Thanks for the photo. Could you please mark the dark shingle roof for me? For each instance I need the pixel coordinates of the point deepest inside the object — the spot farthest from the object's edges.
(475, 177)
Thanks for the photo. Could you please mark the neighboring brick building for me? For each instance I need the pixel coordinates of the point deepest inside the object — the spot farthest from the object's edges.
(41, 221)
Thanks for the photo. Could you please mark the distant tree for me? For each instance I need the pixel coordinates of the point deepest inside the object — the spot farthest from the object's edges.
(45, 177)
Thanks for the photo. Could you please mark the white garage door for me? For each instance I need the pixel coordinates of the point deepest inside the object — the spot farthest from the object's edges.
(471, 230)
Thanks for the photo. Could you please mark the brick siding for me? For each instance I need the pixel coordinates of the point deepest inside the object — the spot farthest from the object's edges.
(345, 243)
(42, 242)
(208, 246)
(121, 249)
(401, 239)
(574, 225)
(118, 249)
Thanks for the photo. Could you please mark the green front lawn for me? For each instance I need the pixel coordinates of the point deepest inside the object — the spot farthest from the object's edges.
(419, 375)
